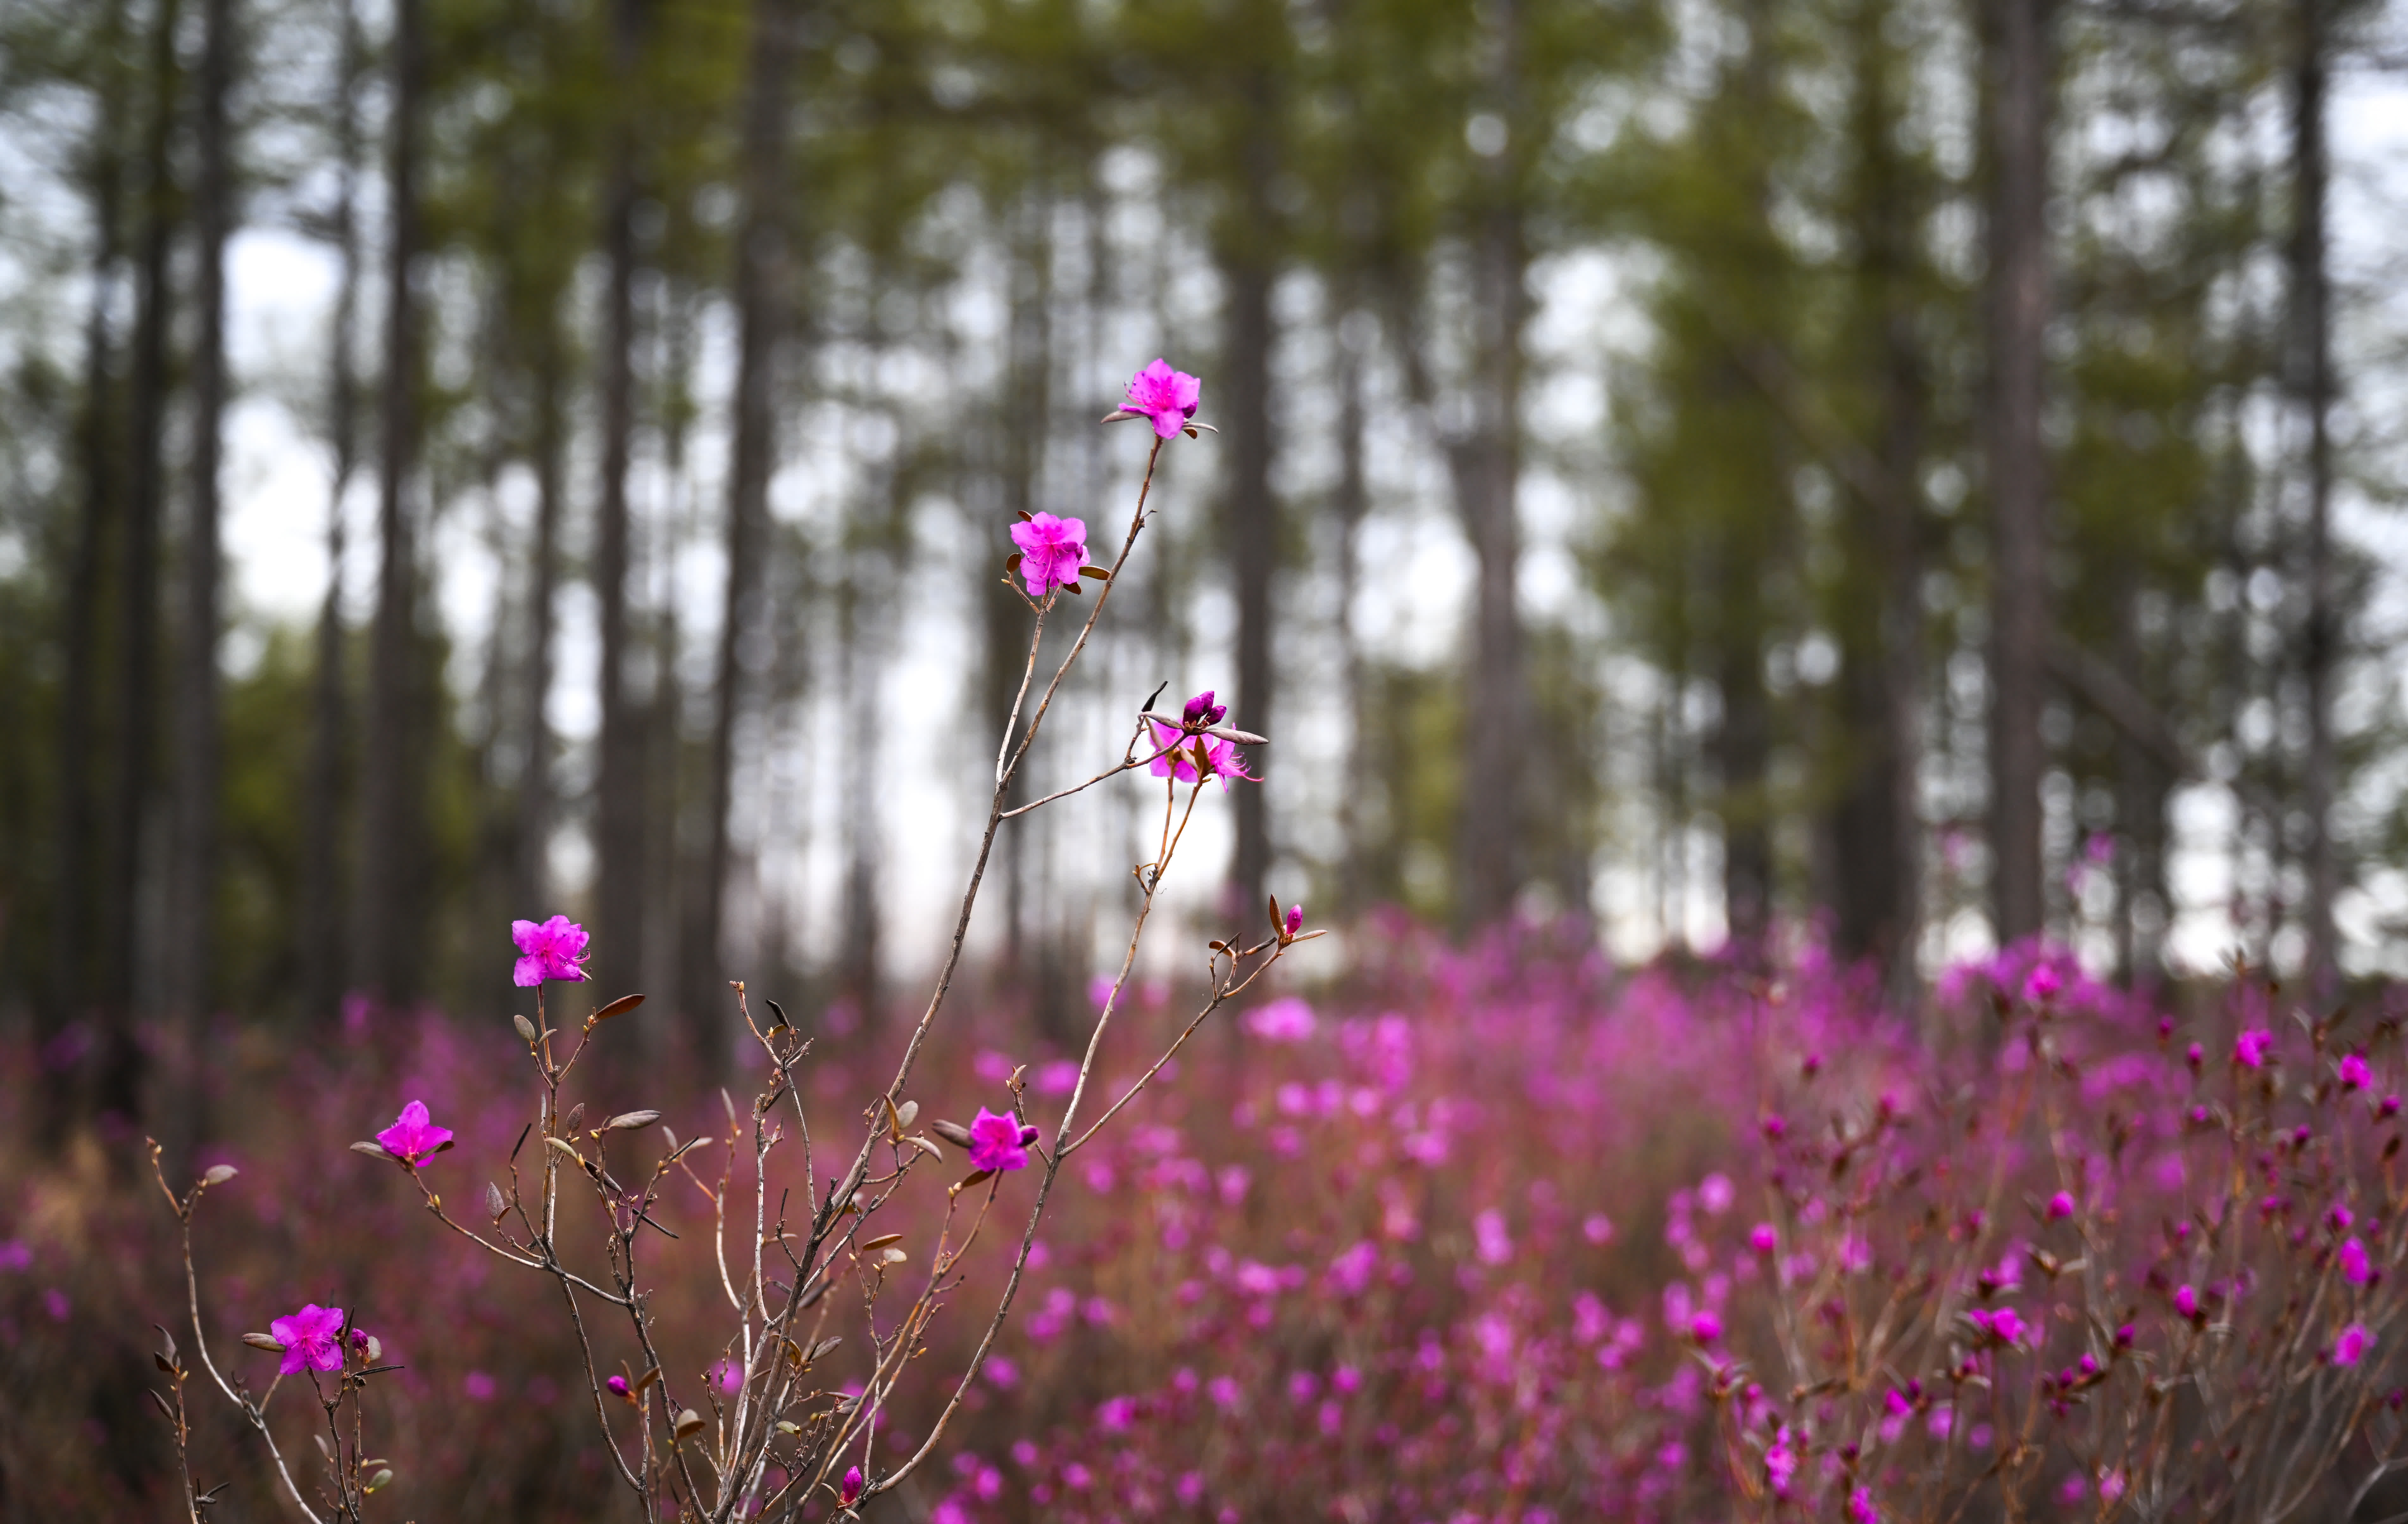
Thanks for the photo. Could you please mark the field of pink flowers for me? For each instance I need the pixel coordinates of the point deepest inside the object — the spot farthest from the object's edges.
(1505, 1235)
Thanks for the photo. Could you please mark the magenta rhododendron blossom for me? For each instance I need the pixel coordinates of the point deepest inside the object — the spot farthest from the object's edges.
(1705, 1328)
(2043, 985)
(312, 1339)
(999, 1142)
(2186, 1302)
(2353, 1266)
(2352, 1346)
(413, 1138)
(2355, 1074)
(1220, 758)
(850, 1493)
(554, 949)
(1165, 397)
(2060, 1205)
(2249, 1050)
(1051, 551)
(617, 1386)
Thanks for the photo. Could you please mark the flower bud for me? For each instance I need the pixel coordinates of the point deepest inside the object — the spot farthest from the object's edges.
(851, 1492)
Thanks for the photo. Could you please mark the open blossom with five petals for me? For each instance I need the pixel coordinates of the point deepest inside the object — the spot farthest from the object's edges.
(554, 949)
(1165, 397)
(999, 1142)
(413, 1138)
(1051, 551)
(312, 1339)
(1184, 753)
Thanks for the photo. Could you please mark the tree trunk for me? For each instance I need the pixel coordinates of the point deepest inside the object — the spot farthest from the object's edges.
(320, 927)
(534, 888)
(1487, 476)
(1252, 526)
(2320, 637)
(1351, 501)
(193, 855)
(2019, 69)
(1879, 829)
(1022, 416)
(79, 635)
(761, 278)
(619, 827)
(119, 1070)
(389, 898)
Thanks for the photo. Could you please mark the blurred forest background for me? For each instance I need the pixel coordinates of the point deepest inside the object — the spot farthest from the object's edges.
(1915, 469)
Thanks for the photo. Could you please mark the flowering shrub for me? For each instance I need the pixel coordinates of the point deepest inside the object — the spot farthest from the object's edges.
(1505, 1233)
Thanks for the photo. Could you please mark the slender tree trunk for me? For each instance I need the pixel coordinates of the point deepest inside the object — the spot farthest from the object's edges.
(1252, 524)
(2320, 638)
(1879, 910)
(1743, 749)
(1022, 414)
(321, 926)
(98, 443)
(389, 900)
(534, 888)
(762, 278)
(1497, 705)
(2018, 93)
(119, 1067)
(1351, 502)
(618, 891)
(193, 855)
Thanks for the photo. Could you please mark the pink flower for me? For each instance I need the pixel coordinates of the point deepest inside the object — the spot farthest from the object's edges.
(413, 1138)
(1050, 551)
(999, 1142)
(1287, 1019)
(1705, 1328)
(2355, 1074)
(1294, 919)
(2005, 1324)
(312, 1339)
(2060, 1205)
(554, 949)
(616, 1385)
(1764, 1239)
(2250, 1048)
(2186, 1303)
(1164, 395)
(2354, 1268)
(1181, 754)
(2043, 985)
(851, 1492)
(1860, 1507)
(2351, 1346)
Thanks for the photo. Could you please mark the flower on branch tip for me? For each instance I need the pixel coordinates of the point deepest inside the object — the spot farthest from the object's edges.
(1051, 551)
(2186, 1303)
(2060, 1205)
(2354, 1268)
(851, 1492)
(1705, 1328)
(413, 1138)
(999, 1142)
(2249, 1050)
(2352, 1346)
(554, 949)
(1190, 757)
(312, 1339)
(1860, 1507)
(617, 1387)
(2355, 1074)
(1200, 712)
(2043, 985)
(2005, 1324)
(1165, 397)
(1295, 920)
